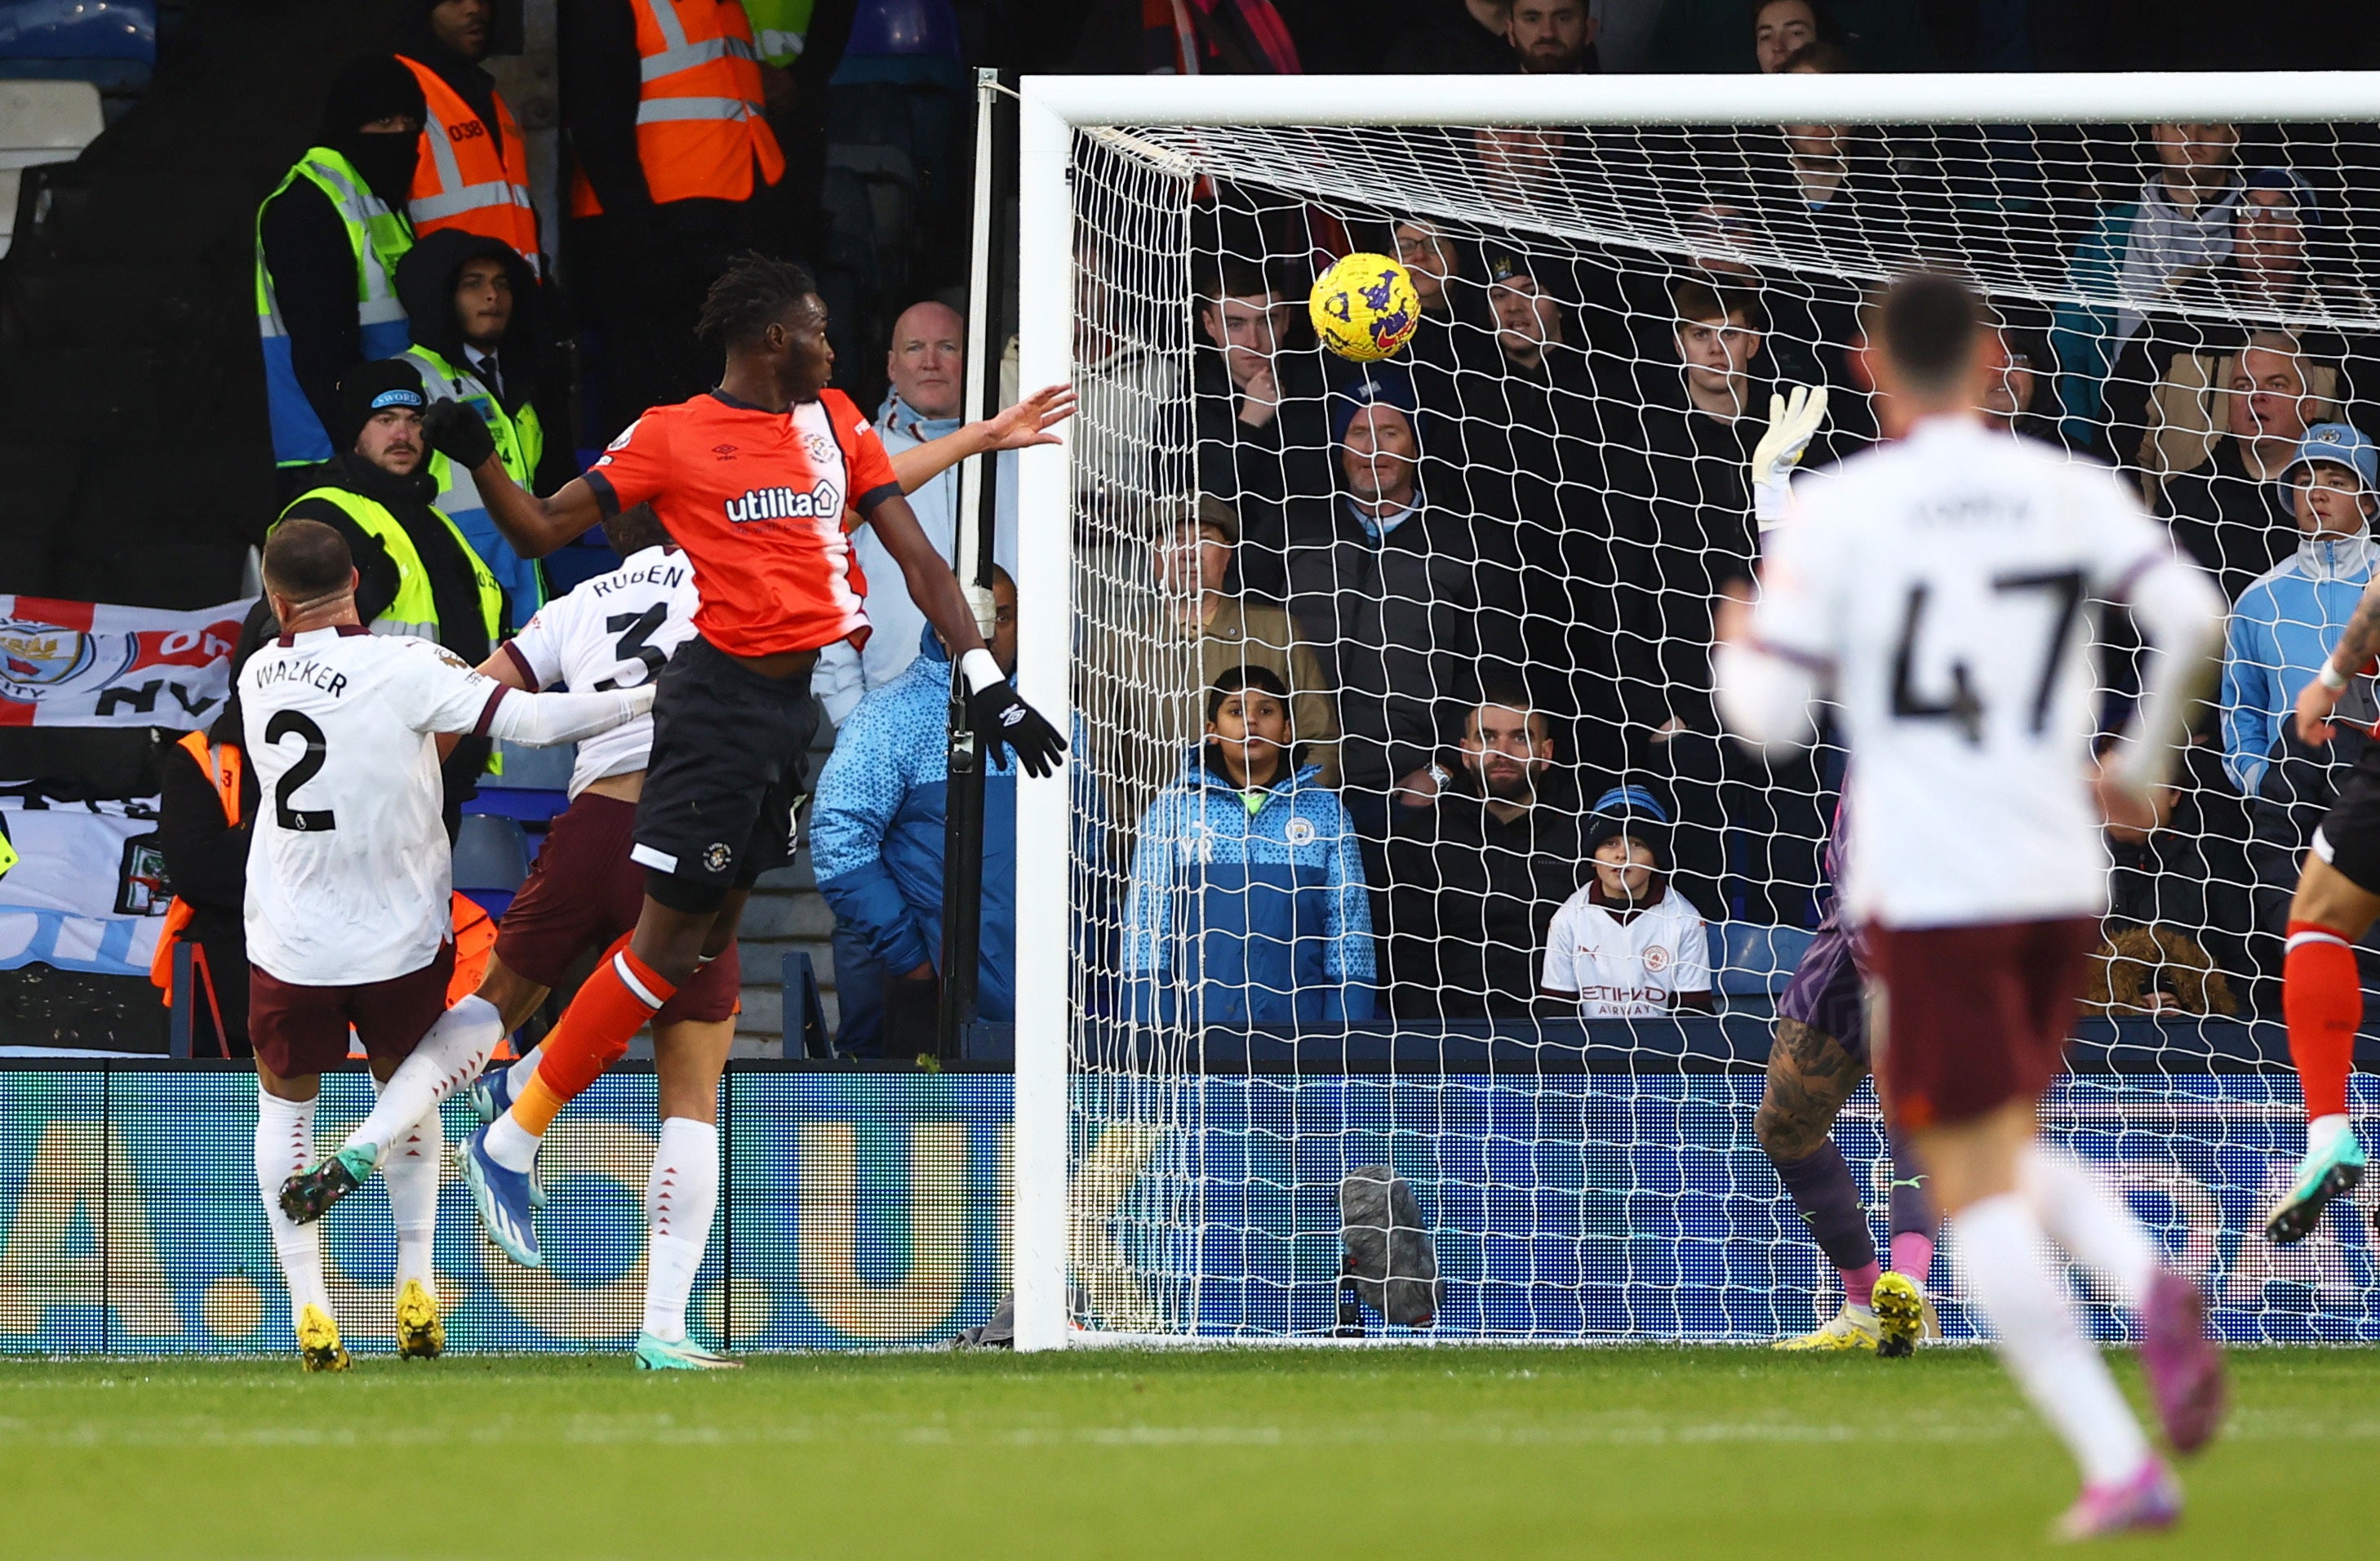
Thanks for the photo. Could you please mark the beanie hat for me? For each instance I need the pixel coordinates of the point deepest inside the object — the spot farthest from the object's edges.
(1376, 387)
(369, 87)
(375, 387)
(1634, 811)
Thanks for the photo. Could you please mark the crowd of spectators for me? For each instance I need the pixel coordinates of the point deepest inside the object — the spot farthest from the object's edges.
(1379, 633)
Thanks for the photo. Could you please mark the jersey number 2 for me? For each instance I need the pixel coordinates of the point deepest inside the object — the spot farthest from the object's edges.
(285, 724)
(636, 644)
(1964, 708)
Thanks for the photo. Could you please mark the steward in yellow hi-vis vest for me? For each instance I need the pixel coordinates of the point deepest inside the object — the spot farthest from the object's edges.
(328, 239)
(416, 574)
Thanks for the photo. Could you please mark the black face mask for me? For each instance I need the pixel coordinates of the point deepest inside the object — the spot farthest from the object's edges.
(385, 160)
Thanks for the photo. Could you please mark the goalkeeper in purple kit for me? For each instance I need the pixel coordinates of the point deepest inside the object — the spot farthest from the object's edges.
(1820, 1055)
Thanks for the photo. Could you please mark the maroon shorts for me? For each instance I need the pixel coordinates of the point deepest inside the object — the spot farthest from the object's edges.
(303, 1030)
(1974, 1016)
(582, 894)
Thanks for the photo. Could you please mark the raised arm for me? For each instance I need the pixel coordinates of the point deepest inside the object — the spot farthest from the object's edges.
(2351, 657)
(1027, 422)
(534, 527)
(998, 712)
(2181, 615)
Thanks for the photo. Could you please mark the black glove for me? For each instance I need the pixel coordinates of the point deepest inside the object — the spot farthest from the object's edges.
(457, 431)
(1002, 719)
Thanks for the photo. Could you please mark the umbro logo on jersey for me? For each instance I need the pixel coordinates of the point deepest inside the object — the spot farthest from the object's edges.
(724, 452)
(783, 503)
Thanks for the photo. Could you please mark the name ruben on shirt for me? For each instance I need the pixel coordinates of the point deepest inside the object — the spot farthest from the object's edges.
(669, 574)
(784, 504)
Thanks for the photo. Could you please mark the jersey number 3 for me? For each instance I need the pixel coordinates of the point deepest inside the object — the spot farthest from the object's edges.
(1963, 707)
(637, 643)
(290, 723)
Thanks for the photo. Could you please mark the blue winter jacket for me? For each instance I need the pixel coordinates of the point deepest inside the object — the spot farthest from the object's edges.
(2282, 629)
(877, 823)
(1259, 918)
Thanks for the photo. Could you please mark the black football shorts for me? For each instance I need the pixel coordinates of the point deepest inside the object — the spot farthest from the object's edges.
(2348, 837)
(730, 766)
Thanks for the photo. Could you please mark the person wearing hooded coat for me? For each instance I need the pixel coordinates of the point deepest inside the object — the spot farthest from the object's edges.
(475, 341)
(1248, 904)
(415, 573)
(328, 241)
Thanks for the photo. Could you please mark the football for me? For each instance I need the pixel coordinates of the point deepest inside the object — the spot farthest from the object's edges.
(1365, 307)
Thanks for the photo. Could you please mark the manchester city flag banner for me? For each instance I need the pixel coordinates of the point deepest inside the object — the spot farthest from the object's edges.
(82, 885)
(82, 663)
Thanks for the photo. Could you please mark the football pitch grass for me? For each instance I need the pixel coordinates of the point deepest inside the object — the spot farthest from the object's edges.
(1475, 1453)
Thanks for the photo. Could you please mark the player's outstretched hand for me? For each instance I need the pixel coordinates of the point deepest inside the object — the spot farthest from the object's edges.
(1001, 715)
(1004, 718)
(1029, 421)
(2315, 706)
(457, 433)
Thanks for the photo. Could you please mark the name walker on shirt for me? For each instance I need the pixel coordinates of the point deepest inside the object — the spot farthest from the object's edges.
(313, 674)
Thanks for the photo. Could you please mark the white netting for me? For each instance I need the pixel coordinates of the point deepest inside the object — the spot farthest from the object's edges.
(1278, 984)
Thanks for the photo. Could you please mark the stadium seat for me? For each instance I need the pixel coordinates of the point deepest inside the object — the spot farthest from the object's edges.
(491, 859)
(533, 768)
(41, 122)
(1748, 960)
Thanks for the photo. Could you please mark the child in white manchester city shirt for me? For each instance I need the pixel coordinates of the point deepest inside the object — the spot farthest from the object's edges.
(1624, 947)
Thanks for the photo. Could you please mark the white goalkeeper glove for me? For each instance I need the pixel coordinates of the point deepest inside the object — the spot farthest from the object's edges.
(1793, 420)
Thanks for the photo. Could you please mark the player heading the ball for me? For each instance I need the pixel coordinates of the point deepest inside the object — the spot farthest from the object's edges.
(1933, 589)
(761, 481)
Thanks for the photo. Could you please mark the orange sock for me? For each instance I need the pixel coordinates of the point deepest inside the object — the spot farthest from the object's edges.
(2322, 998)
(616, 1002)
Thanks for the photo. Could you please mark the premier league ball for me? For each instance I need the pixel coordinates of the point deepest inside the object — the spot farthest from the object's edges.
(1365, 307)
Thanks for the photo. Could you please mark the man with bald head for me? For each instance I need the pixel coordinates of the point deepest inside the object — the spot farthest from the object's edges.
(2235, 513)
(928, 368)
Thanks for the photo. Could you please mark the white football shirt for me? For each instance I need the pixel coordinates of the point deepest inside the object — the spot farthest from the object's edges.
(1631, 968)
(615, 631)
(1941, 586)
(348, 872)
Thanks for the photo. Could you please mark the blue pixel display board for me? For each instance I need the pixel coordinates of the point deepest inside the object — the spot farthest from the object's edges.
(868, 1209)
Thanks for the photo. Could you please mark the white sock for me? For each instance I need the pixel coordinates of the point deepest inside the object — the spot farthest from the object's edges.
(451, 1054)
(2323, 1132)
(285, 1146)
(681, 1199)
(2000, 1246)
(2090, 1219)
(523, 1070)
(511, 1145)
(411, 1168)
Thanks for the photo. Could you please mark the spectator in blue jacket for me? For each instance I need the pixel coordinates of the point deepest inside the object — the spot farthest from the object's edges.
(2285, 625)
(1247, 903)
(876, 841)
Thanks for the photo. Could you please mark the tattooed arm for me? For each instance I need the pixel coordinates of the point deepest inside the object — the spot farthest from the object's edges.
(2351, 657)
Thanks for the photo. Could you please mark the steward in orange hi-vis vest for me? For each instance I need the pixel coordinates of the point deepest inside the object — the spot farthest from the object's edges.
(471, 175)
(701, 122)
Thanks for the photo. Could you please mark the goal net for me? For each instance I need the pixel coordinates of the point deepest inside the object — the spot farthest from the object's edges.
(1482, 572)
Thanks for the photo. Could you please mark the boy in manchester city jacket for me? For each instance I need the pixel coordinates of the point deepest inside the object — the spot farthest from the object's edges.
(1247, 905)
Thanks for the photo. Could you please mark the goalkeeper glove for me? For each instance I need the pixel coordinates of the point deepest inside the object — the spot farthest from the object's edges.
(1794, 422)
(457, 431)
(1001, 716)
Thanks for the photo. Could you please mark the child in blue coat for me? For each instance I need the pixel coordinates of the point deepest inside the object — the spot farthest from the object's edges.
(1247, 905)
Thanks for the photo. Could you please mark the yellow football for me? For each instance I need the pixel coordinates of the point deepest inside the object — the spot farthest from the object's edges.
(1365, 307)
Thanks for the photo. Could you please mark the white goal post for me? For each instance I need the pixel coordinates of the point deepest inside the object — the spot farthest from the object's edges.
(1060, 115)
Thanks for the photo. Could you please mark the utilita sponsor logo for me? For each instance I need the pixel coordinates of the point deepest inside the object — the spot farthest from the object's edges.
(783, 503)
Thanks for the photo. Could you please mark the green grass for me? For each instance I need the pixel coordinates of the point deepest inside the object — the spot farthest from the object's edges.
(1401, 1454)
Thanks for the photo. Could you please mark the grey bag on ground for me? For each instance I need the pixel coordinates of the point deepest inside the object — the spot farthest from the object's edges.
(1389, 1251)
